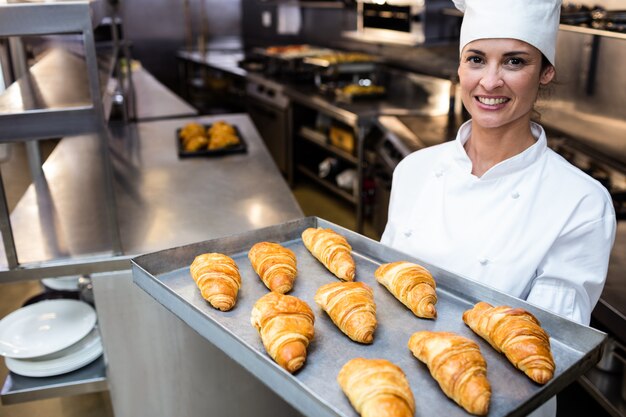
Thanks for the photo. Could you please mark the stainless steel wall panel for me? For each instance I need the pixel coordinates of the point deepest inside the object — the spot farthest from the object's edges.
(157, 30)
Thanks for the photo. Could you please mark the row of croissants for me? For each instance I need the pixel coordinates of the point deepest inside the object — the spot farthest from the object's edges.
(375, 387)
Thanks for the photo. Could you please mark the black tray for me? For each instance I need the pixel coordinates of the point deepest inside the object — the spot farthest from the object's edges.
(241, 147)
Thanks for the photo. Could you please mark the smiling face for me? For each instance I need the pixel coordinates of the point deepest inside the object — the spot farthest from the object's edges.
(499, 81)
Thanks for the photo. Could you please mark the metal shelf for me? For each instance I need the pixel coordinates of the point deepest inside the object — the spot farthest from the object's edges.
(328, 185)
(592, 31)
(53, 99)
(307, 4)
(40, 17)
(321, 4)
(88, 379)
(605, 388)
(319, 139)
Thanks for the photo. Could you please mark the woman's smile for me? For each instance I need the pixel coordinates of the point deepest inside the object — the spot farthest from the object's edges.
(492, 103)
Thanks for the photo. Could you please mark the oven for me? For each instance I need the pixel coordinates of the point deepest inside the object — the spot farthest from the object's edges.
(270, 110)
(408, 22)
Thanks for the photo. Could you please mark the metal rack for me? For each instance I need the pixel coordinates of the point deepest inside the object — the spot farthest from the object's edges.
(62, 94)
(23, 119)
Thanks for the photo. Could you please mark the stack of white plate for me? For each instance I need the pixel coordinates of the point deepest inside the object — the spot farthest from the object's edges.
(69, 283)
(50, 338)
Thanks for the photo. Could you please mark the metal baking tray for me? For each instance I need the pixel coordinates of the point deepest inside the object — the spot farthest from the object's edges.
(313, 390)
(241, 147)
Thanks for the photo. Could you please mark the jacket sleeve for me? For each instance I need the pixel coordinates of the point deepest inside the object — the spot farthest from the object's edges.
(571, 276)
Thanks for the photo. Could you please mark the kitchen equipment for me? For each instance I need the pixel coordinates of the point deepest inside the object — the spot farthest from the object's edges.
(596, 17)
(44, 328)
(610, 361)
(613, 20)
(408, 22)
(270, 110)
(165, 276)
(347, 74)
(399, 136)
(287, 61)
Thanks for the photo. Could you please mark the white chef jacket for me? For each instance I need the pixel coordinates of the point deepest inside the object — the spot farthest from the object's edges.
(533, 226)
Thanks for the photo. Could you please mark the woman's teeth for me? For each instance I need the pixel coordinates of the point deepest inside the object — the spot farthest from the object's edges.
(492, 101)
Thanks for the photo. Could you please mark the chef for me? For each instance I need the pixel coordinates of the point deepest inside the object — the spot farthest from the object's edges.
(496, 205)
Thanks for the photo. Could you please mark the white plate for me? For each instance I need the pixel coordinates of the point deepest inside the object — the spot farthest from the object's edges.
(44, 328)
(61, 284)
(76, 356)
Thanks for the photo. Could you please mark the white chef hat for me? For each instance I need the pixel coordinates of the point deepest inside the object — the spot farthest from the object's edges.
(533, 21)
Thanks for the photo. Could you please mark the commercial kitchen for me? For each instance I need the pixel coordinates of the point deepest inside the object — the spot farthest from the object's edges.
(104, 203)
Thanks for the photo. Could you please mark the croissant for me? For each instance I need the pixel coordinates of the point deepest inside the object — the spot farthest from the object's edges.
(412, 284)
(377, 388)
(275, 264)
(332, 250)
(351, 307)
(516, 333)
(217, 277)
(285, 324)
(457, 365)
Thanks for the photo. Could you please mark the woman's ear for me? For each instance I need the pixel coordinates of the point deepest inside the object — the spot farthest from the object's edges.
(547, 74)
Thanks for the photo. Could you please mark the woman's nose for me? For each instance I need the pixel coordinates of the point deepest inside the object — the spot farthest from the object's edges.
(492, 78)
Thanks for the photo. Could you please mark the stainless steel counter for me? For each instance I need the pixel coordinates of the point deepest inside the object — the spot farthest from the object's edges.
(223, 60)
(160, 200)
(155, 101)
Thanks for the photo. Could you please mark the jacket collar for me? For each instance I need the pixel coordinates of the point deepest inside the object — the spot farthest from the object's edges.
(508, 166)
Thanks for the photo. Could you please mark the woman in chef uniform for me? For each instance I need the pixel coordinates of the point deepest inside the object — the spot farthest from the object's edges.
(497, 205)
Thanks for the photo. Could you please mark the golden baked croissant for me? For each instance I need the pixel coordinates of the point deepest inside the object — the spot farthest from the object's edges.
(412, 284)
(377, 388)
(332, 250)
(221, 140)
(285, 324)
(351, 307)
(275, 264)
(516, 333)
(217, 277)
(457, 365)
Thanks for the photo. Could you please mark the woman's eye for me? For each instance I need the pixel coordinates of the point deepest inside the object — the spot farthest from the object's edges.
(474, 59)
(515, 62)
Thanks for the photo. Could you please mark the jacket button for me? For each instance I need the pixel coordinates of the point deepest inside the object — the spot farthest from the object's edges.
(408, 233)
(483, 261)
(514, 195)
(439, 173)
